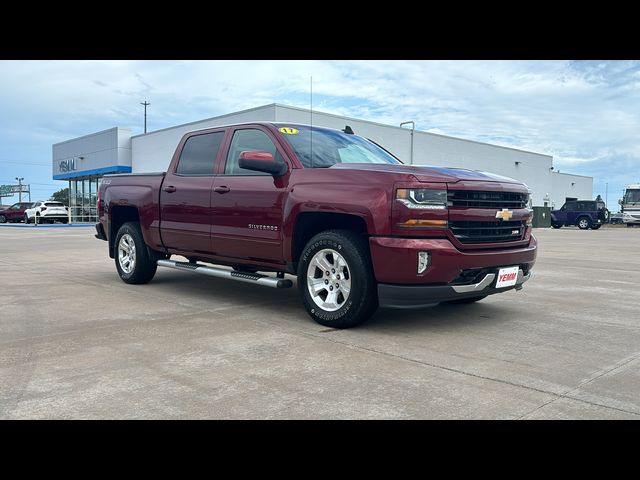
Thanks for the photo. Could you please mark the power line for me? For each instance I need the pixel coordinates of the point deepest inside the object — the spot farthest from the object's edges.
(24, 163)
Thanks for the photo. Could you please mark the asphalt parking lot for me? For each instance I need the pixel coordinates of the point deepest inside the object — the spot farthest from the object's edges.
(76, 342)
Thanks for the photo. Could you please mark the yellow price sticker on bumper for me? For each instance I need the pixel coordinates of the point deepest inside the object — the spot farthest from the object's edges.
(288, 130)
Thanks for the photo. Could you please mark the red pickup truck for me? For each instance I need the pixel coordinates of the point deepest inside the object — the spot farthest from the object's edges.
(357, 227)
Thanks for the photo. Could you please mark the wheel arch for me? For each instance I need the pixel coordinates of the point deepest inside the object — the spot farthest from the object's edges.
(309, 224)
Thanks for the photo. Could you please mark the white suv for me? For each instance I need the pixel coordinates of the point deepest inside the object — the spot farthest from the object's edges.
(46, 212)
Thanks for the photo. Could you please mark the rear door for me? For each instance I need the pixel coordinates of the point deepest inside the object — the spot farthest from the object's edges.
(185, 196)
(247, 205)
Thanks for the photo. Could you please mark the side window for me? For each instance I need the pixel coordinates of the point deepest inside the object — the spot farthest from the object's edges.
(248, 140)
(199, 154)
(15, 206)
(571, 206)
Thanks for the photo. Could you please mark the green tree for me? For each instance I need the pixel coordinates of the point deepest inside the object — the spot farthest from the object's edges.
(61, 195)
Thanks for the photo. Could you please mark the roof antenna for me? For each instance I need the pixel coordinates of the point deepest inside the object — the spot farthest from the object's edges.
(347, 129)
(311, 115)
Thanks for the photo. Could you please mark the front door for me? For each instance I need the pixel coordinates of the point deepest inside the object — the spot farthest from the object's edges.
(247, 205)
(185, 198)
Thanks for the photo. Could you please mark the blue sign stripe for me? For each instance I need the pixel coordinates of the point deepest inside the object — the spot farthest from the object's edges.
(95, 171)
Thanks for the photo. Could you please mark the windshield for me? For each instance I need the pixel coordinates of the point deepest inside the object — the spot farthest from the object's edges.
(330, 147)
(632, 196)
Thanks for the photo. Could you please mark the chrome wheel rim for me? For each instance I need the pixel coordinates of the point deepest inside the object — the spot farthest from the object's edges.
(329, 280)
(127, 253)
(584, 223)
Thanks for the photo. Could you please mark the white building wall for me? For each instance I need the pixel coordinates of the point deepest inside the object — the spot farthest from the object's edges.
(95, 151)
(565, 185)
(152, 152)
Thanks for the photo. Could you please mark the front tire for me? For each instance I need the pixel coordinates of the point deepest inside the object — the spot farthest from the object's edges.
(335, 279)
(26, 219)
(595, 227)
(3, 219)
(584, 223)
(556, 225)
(132, 257)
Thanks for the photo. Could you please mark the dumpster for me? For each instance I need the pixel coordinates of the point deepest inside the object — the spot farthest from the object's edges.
(541, 217)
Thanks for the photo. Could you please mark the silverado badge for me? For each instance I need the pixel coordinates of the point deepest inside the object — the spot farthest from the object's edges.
(505, 214)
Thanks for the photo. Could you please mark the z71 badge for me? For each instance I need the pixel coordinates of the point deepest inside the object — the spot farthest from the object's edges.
(273, 228)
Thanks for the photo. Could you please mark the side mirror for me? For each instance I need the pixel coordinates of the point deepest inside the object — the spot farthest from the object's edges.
(262, 162)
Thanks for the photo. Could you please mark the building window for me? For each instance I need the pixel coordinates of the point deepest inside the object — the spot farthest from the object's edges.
(83, 196)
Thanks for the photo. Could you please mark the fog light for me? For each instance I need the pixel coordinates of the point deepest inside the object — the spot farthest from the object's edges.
(423, 261)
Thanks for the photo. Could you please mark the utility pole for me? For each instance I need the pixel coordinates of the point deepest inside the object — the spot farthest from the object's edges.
(20, 188)
(413, 127)
(146, 104)
(606, 194)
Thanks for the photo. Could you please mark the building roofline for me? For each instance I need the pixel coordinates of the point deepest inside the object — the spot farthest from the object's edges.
(417, 131)
(205, 120)
(91, 135)
(572, 175)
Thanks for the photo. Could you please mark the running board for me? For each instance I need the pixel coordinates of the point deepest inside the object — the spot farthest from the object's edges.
(265, 280)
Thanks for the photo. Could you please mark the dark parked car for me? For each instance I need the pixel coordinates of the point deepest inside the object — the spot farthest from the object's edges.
(583, 213)
(15, 213)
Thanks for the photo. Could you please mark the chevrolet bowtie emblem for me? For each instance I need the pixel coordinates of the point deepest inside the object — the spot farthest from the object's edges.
(505, 214)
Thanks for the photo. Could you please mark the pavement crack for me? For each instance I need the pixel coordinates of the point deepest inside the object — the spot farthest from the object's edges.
(556, 396)
(602, 373)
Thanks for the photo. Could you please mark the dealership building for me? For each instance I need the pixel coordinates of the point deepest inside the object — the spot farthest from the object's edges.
(83, 161)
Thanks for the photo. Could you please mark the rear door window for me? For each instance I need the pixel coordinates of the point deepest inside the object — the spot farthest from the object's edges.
(199, 154)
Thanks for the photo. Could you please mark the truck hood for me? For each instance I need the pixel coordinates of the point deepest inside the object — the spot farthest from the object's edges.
(426, 173)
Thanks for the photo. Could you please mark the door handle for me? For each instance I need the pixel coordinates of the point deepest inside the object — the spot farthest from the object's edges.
(169, 189)
(221, 189)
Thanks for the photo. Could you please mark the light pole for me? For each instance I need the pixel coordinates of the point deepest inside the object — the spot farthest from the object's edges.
(606, 194)
(146, 104)
(19, 188)
(413, 127)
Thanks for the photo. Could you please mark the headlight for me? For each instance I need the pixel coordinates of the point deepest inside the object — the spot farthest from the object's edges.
(422, 198)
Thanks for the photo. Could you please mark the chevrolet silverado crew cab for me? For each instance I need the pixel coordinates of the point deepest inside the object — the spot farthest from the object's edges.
(357, 227)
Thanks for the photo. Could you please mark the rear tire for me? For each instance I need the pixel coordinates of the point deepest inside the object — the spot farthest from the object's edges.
(132, 257)
(26, 219)
(595, 227)
(3, 219)
(462, 301)
(332, 263)
(584, 223)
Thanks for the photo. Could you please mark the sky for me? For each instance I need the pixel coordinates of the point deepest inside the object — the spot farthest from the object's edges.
(584, 113)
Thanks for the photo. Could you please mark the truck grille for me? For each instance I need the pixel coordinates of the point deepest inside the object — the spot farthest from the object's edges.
(474, 199)
(487, 232)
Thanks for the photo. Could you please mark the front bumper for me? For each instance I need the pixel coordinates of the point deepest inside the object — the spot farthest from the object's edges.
(395, 259)
(416, 296)
(451, 273)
